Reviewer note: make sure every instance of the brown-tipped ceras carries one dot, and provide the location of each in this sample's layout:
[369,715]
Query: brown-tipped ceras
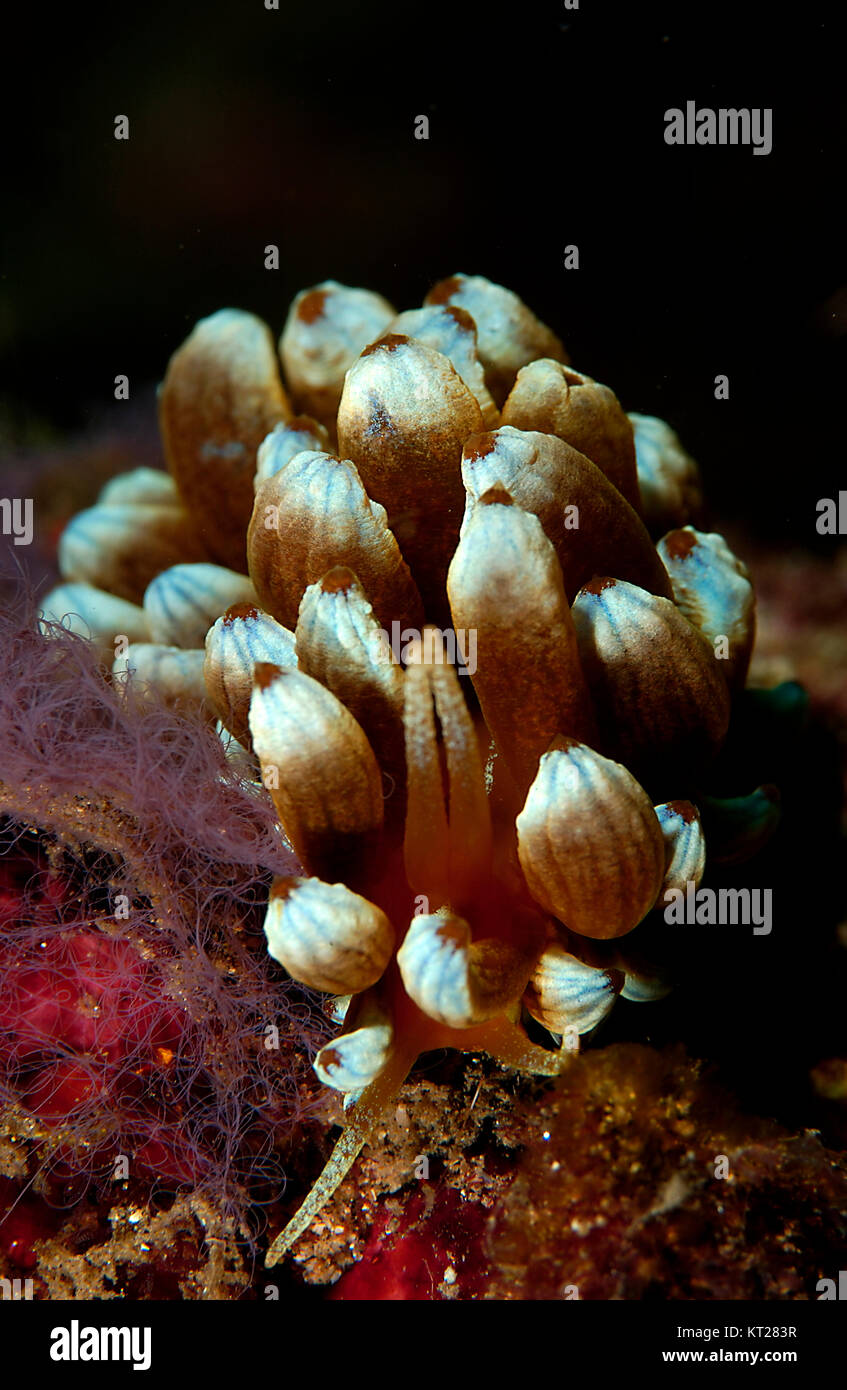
[528,675]
[558,400]
[508,333]
[712,588]
[313,515]
[221,396]
[326,329]
[661,699]
[590,843]
[404,416]
[591,525]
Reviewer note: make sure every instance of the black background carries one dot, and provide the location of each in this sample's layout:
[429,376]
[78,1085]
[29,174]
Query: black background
[295,127]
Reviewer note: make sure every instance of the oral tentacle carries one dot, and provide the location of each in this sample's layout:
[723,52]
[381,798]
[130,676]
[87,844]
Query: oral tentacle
[426,846]
[362,1117]
[469,825]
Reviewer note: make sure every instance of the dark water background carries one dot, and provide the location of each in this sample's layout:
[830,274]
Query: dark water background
[295,127]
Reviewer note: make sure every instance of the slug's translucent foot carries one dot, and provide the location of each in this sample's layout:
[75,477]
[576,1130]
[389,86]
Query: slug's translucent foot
[362,1118]
[506,1042]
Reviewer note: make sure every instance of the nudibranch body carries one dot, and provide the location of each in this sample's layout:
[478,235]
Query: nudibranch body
[477,839]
